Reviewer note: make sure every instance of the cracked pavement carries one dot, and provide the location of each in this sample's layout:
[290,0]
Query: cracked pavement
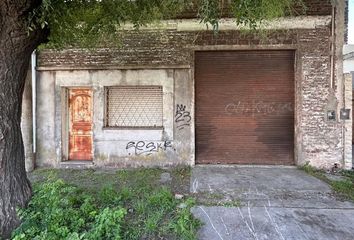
[275,203]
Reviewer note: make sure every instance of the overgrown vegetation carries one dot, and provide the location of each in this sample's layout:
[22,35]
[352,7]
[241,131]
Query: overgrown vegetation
[344,187]
[87,23]
[127,204]
[252,13]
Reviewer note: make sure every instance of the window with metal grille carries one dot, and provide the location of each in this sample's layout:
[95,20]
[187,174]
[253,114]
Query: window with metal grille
[134,106]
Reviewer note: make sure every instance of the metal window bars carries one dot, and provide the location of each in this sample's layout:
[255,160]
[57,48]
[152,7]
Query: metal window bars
[134,106]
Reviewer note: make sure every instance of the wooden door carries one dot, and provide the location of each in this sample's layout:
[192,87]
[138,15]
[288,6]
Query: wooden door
[80,124]
[245,107]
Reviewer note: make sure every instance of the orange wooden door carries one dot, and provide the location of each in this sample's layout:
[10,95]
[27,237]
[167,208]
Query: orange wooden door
[80,124]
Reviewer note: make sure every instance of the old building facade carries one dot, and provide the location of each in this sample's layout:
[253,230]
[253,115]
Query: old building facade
[178,93]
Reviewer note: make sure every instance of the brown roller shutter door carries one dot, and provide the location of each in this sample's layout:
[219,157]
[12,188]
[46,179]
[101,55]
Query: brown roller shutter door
[244,107]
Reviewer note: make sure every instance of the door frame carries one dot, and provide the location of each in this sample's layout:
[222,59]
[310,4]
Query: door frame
[65,122]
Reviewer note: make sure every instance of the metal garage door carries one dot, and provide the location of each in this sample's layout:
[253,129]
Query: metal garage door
[245,107]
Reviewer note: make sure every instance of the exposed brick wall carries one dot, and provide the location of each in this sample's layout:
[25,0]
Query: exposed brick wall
[137,48]
[239,38]
[318,7]
[321,139]
[157,48]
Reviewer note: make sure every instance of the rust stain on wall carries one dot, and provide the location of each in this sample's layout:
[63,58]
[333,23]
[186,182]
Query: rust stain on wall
[80,124]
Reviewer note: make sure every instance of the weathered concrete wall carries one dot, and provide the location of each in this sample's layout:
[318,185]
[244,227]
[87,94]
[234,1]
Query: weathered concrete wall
[46,145]
[349,65]
[26,123]
[115,147]
[348,57]
[166,57]
[348,69]
[348,125]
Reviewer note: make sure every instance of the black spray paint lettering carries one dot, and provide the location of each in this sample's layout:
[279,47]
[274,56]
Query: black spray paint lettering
[182,117]
[148,148]
[256,108]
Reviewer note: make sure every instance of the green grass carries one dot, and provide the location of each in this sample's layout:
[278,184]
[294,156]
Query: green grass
[349,174]
[314,172]
[344,188]
[123,204]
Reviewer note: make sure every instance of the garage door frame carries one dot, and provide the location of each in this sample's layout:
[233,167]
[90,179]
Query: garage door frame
[297,88]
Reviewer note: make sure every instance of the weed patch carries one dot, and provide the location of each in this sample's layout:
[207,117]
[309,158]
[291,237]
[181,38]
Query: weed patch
[345,187]
[124,204]
[60,211]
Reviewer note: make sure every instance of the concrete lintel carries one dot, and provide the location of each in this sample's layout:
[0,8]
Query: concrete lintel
[299,22]
[100,67]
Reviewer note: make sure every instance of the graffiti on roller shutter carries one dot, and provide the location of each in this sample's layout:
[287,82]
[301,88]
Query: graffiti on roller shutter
[258,108]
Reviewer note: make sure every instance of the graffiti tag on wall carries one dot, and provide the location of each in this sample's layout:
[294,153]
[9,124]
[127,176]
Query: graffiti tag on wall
[258,108]
[147,148]
[182,117]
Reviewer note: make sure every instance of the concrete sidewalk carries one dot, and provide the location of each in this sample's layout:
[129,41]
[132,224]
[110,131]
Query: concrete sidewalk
[276,203]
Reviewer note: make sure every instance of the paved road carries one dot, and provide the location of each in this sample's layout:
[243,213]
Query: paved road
[276,203]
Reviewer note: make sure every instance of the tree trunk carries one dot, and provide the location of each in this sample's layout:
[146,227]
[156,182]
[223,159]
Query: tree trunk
[16,46]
